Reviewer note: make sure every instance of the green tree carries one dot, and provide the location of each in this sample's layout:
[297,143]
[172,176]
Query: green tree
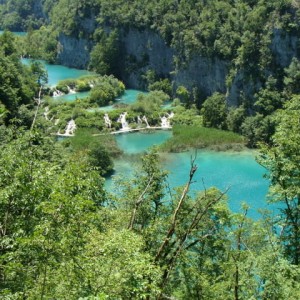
[149,103]
[235,118]
[105,56]
[291,80]
[106,89]
[282,161]
[183,95]
[161,85]
[214,111]
[39,71]
[173,225]
[7,43]
[100,150]
[257,129]
[47,207]
[268,99]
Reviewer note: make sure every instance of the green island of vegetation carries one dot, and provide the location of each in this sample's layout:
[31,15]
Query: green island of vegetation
[63,235]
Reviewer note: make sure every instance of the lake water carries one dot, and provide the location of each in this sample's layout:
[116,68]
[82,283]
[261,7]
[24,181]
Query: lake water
[134,143]
[128,97]
[237,171]
[18,33]
[58,72]
[72,96]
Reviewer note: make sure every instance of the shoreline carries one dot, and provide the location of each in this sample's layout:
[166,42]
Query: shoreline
[134,130]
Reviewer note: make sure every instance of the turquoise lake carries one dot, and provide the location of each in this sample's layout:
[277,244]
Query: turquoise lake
[237,171]
[58,72]
[128,97]
[18,33]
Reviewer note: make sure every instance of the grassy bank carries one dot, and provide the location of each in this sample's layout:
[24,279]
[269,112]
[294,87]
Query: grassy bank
[185,137]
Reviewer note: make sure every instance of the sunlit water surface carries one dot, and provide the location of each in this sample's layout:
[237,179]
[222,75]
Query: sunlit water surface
[236,171]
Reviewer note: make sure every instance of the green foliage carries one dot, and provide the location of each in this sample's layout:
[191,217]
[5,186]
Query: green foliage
[40,44]
[18,84]
[61,237]
[81,110]
[268,99]
[161,85]
[291,80]
[209,28]
[67,15]
[105,55]
[106,90]
[186,137]
[256,129]
[214,111]
[235,118]
[185,116]
[81,84]
[19,15]
[39,72]
[100,149]
[149,103]
[282,161]
[183,94]
[7,43]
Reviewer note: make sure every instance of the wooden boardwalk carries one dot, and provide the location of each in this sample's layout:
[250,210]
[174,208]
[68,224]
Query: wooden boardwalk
[136,130]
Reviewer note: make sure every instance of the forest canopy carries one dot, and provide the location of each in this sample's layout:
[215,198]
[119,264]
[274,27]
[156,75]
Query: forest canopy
[63,235]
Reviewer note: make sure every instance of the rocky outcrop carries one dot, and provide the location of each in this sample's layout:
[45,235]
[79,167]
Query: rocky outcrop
[284,47]
[73,52]
[146,50]
[207,74]
[142,51]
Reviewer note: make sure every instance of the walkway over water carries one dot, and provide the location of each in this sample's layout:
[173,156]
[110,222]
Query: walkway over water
[136,130]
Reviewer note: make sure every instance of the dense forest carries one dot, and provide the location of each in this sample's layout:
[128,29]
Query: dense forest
[62,234]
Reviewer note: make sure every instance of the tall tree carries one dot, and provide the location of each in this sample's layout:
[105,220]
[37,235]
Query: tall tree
[283,161]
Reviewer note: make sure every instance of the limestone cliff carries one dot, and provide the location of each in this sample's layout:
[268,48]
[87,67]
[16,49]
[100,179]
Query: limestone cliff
[73,52]
[284,47]
[144,49]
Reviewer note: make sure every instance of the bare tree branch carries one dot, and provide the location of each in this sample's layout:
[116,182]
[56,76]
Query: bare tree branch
[38,101]
[138,203]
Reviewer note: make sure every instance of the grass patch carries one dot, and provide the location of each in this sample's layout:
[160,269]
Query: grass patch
[186,137]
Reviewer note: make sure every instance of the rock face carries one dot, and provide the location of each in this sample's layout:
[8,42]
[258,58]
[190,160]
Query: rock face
[284,47]
[73,52]
[38,10]
[146,50]
[207,74]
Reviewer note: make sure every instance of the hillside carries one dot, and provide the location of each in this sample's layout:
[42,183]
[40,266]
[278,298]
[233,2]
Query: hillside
[227,67]
[230,47]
